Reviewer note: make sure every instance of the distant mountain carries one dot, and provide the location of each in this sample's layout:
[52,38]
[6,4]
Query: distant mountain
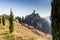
[37,22]
[21,32]
[30,34]
[48,19]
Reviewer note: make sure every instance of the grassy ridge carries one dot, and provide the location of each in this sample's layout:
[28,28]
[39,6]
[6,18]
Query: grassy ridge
[20,32]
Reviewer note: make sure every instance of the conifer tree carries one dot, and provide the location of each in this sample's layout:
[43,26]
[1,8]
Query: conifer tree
[3,20]
[55,19]
[22,19]
[11,18]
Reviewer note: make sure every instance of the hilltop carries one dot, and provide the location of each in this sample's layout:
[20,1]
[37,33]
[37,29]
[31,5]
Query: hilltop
[21,32]
[36,21]
[31,28]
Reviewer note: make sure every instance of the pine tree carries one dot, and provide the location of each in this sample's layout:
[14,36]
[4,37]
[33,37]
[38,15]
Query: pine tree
[11,18]
[55,19]
[3,20]
[22,19]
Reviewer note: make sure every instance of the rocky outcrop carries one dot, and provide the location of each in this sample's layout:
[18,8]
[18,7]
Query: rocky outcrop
[37,22]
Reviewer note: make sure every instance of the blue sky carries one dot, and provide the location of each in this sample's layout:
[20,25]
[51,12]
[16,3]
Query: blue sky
[25,7]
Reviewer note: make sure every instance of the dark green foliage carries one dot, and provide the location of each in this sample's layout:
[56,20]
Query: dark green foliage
[19,19]
[22,19]
[11,25]
[3,20]
[55,19]
[0,20]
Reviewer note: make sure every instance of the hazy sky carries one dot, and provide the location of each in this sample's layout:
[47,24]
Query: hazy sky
[25,7]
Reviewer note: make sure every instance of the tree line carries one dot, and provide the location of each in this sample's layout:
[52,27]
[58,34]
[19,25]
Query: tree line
[10,18]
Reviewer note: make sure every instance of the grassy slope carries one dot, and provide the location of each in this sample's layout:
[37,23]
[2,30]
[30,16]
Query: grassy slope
[20,33]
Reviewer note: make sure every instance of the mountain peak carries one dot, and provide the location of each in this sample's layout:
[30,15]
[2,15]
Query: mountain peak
[37,22]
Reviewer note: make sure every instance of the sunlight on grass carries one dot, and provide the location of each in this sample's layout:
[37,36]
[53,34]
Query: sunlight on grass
[1,26]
